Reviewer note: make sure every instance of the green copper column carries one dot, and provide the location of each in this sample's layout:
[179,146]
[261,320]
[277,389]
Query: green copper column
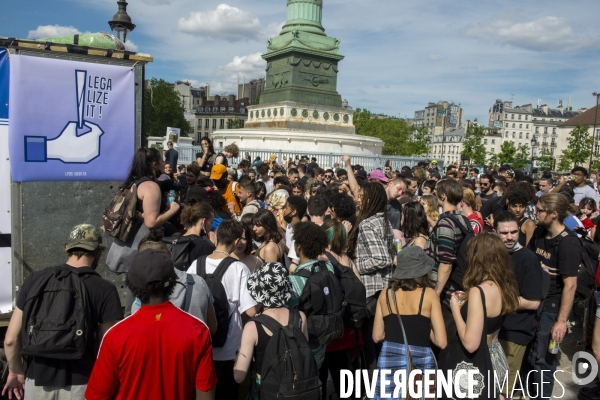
[304,15]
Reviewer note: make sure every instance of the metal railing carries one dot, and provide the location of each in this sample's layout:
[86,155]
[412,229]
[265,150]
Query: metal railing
[327,160]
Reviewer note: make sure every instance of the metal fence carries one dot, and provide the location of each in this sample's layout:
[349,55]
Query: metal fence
[327,160]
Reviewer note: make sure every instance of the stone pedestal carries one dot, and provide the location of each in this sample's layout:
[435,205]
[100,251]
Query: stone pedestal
[299,128]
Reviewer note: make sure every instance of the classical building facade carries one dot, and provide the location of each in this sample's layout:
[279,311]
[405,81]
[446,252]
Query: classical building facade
[215,114]
[439,117]
[537,128]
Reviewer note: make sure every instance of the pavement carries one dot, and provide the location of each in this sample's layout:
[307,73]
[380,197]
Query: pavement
[568,348]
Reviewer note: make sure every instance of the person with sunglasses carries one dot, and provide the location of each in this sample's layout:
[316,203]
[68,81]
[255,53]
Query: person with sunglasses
[328,177]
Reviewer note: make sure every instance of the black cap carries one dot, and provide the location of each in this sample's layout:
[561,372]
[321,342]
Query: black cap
[361,173]
[151,266]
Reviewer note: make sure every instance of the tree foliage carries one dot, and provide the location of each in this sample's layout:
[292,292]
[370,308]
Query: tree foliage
[235,123]
[508,150]
[579,150]
[522,157]
[398,138]
[473,148]
[545,161]
[162,109]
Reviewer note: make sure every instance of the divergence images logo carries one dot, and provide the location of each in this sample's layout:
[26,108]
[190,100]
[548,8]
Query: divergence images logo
[79,141]
[585,368]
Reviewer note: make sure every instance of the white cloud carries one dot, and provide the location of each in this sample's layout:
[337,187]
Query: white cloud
[226,23]
[436,57]
[240,68]
[543,34]
[51,31]
[130,46]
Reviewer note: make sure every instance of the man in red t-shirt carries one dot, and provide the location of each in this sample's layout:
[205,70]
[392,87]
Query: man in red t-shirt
[160,352]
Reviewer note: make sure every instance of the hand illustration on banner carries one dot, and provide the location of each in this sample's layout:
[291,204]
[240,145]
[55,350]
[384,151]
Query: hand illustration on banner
[70,146]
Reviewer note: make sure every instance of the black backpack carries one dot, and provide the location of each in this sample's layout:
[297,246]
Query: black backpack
[586,277]
[221,303]
[355,294]
[181,250]
[322,300]
[289,370]
[458,268]
[56,316]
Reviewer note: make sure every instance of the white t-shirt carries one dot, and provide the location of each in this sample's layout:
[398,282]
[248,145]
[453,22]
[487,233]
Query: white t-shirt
[289,242]
[235,283]
[583,192]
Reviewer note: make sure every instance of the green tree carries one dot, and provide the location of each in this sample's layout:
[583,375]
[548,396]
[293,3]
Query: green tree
[418,141]
[493,160]
[522,157]
[162,109]
[397,136]
[473,148]
[564,163]
[235,123]
[579,150]
[508,150]
[545,161]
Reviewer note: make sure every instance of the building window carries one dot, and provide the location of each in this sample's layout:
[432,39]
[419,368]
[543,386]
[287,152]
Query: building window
[527,135]
[199,123]
[520,126]
[552,150]
[505,116]
[514,135]
[493,141]
[214,123]
[527,118]
[492,150]
[215,109]
[553,130]
[520,135]
[222,124]
[243,111]
[512,116]
[484,141]
[506,124]
[507,134]
[231,109]
[513,125]
[223,109]
[519,116]
[537,129]
[527,126]
[545,129]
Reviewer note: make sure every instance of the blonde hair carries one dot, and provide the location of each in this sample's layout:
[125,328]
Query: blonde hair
[469,197]
[432,211]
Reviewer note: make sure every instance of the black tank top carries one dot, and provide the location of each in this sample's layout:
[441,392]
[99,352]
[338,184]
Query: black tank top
[417,327]
[261,346]
[522,235]
[493,324]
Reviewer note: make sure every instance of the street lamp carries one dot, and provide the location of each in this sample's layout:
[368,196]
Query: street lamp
[596,95]
[121,22]
[533,150]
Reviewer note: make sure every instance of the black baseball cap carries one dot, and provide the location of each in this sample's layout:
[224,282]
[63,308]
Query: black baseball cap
[150,266]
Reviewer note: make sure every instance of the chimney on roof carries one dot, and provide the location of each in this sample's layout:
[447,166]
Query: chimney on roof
[560,107]
[217,100]
[545,108]
[231,99]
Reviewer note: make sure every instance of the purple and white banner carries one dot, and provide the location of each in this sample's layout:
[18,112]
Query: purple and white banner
[6,282]
[70,120]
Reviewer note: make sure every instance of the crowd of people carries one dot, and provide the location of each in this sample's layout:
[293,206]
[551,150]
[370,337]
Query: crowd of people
[340,268]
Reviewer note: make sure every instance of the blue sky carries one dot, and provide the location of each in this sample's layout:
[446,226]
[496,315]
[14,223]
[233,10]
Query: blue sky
[400,55]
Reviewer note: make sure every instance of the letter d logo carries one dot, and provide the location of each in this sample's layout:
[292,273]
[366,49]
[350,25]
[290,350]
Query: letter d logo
[585,368]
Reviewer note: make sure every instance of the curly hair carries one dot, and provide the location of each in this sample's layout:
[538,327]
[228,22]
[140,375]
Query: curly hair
[517,197]
[524,187]
[192,214]
[487,259]
[342,205]
[311,239]
[216,200]
[233,149]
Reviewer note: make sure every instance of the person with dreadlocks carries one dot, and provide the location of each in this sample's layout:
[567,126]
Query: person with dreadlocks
[369,244]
